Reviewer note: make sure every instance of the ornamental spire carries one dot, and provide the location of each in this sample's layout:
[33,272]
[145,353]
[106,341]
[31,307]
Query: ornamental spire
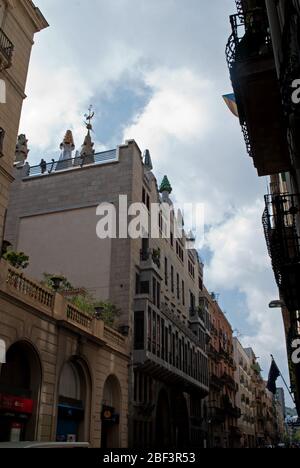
[67,147]
[166,186]
[148,161]
[87,149]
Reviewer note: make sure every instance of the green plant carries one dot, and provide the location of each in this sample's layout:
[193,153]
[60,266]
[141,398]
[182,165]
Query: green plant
[156,255]
[17,259]
[85,302]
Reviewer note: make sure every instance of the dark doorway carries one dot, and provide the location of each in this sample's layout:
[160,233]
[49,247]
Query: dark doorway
[163,422]
[20,384]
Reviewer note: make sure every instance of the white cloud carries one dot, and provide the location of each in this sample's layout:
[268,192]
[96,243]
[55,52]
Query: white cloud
[240,261]
[176,114]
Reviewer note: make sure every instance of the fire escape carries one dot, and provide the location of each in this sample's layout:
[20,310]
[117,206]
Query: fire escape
[254,79]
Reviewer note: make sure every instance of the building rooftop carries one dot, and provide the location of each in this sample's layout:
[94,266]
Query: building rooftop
[62,165]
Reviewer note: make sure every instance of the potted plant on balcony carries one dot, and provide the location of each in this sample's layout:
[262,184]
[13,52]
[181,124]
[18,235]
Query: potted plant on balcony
[18,260]
[156,255]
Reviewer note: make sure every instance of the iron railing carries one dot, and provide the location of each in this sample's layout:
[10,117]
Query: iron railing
[78,162]
[281,222]
[6,46]
[250,37]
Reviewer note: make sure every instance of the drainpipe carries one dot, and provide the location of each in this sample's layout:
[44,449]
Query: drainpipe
[276,33]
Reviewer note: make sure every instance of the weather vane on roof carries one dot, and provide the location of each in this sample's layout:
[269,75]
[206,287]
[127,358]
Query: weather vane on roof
[88,118]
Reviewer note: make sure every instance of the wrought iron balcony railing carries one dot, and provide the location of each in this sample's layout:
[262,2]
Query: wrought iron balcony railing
[6,49]
[281,221]
[250,37]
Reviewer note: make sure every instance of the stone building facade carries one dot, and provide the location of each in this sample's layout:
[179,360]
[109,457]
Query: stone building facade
[156,282]
[224,413]
[245,397]
[66,374]
[19,21]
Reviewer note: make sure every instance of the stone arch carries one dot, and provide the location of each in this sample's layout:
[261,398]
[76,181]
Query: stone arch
[21,381]
[181,417]
[111,413]
[74,401]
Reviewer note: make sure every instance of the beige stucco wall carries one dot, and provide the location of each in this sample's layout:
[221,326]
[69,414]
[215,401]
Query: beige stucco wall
[66,243]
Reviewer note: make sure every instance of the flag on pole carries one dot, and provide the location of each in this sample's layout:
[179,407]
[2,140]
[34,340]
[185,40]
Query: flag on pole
[231,103]
[273,376]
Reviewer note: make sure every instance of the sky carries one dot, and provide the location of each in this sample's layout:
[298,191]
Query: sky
[155,71]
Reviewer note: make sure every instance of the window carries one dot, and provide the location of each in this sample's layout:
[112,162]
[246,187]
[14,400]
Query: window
[166,271]
[154,333]
[172,239]
[137,284]
[183,293]
[139,334]
[178,287]
[191,269]
[192,303]
[179,251]
[2,11]
[149,329]
[154,296]
[158,336]
[144,287]
[172,279]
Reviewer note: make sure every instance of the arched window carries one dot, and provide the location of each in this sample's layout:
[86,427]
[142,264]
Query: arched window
[69,384]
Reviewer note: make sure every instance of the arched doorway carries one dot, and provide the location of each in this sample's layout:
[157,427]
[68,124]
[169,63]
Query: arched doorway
[163,422]
[20,385]
[74,398]
[111,409]
[181,421]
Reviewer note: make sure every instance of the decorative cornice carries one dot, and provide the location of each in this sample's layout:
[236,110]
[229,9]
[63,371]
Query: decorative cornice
[35,14]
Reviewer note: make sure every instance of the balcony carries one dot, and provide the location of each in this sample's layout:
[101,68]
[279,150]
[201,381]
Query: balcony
[150,260]
[229,382]
[281,221]
[229,409]
[254,78]
[166,349]
[216,382]
[37,299]
[6,51]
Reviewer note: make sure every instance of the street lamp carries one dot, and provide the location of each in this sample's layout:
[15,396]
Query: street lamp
[277,304]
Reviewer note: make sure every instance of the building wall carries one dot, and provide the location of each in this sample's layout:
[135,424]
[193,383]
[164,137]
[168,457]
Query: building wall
[245,397]
[56,340]
[44,209]
[21,20]
[223,432]
[58,242]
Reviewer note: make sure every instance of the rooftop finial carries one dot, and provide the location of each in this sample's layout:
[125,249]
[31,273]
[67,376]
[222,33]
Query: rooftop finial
[148,161]
[88,118]
[165,186]
[67,147]
[87,150]
[21,149]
